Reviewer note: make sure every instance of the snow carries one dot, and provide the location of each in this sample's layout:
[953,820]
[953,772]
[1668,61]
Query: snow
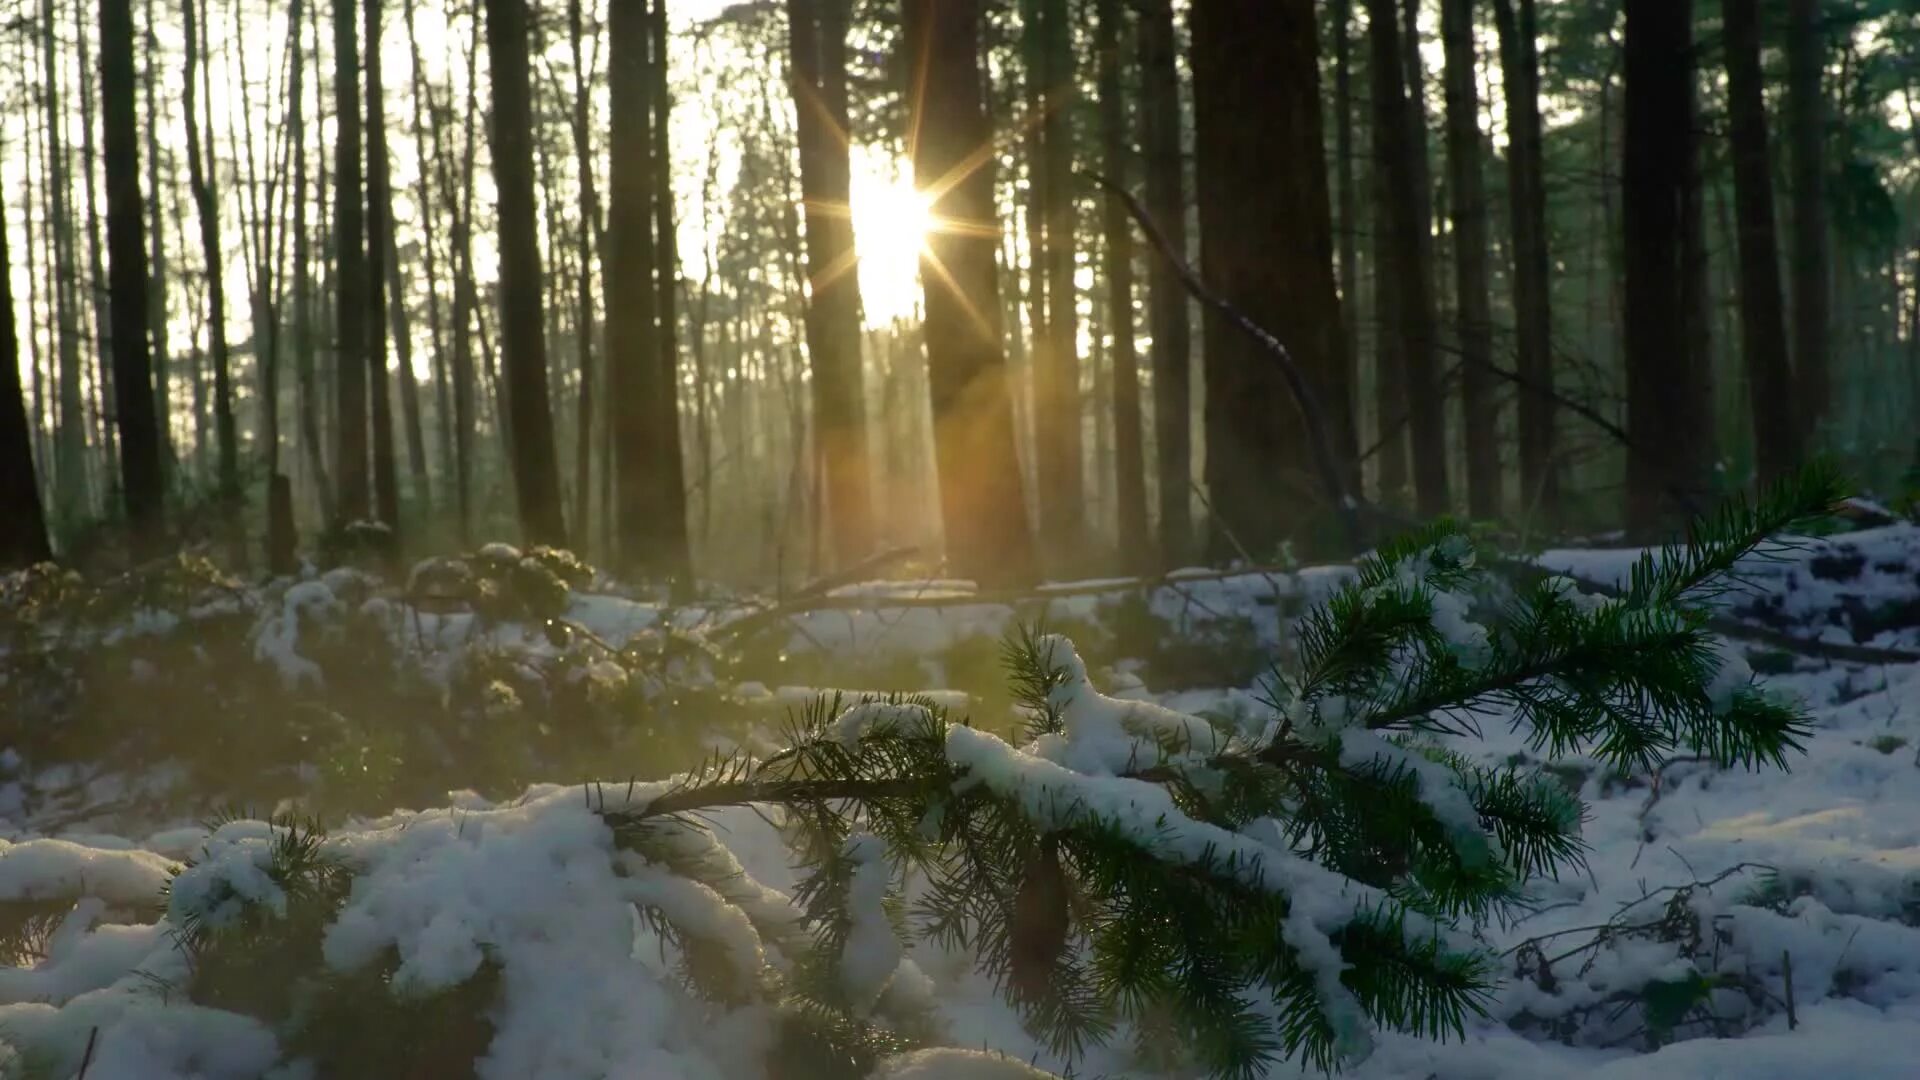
[537,888]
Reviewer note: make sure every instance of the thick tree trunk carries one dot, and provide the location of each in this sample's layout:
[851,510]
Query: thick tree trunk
[1266,244]
[140,468]
[1167,311]
[1763,327]
[1408,254]
[1130,470]
[380,248]
[1532,271]
[1806,136]
[628,260]
[1465,147]
[1657,176]
[350,282]
[817,32]
[523,349]
[670,524]
[23,528]
[311,443]
[206,205]
[1346,190]
[981,501]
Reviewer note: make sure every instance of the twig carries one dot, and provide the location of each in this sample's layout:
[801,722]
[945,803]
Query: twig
[86,1059]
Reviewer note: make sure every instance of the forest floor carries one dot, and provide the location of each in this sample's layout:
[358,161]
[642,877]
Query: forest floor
[1727,923]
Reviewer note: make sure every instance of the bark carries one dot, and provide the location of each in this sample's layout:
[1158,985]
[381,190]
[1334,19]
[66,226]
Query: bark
[1763,329]
[981,497]
[1407,251]
[350,280]
[206,203]
[523,348]
[1806,135]
[1532,271]
[1130,470]
[379,224]
[467,321]
[1167,312]
[1465,147]
[1266,244]
[96,275]
[817,31]
[401,321]
[1656,177]
[1346,191]
[1057,412]
[23,528]
[140,467]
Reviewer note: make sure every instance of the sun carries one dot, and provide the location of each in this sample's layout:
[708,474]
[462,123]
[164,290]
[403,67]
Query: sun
[890,224]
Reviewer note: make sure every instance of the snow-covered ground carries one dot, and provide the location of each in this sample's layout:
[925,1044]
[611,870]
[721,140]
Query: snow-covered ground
[1765,888]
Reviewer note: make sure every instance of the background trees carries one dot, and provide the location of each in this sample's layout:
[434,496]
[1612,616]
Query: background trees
[736,356]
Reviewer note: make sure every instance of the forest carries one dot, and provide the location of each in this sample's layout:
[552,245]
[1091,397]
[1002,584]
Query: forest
[959,539]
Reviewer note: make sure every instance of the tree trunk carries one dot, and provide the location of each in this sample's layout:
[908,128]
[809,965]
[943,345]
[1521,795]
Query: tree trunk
[1532,271]
[1167,312]
[96,274]
[157,279]
[523,349]
[466,302]
[627,261]
[1408,252]
[379,225]
[1465,147]
[313,446]
[1763,328]
[817,32]
[1130,487]
[70,487]
[584,315]
[1806,135]
[670,524]
[1266,245]
[206,205]
[1346,191]
[1657,174]
[350,282]
[1057,412]
[23,528]
[981,497]
[140,470]
[402,325]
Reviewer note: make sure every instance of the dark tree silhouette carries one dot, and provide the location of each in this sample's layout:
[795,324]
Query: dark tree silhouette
[1480,413]
[23,528]
[349,276]
[981,501]
[1532,271]
[1167,304]
[523,348]
[1136,546]
[1812,275]
[1266,246]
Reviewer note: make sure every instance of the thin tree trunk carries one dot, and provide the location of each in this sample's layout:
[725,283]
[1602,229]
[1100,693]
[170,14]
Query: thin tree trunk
[313,446]
[350,274]
[1058,413]
[96,274]
[536,470]
[1465,147]
[1346,192]
[206,203]
[140,471]
[981,500]
[670,523]
[1130,470]
[157,320]
[402,325]
[817,32]
[584,313]
[1527,203]
[379,225]
[1812,270]
[23,528]
[466,305]
[70,487]
[1167,312]
[1408,250]
[1763,327]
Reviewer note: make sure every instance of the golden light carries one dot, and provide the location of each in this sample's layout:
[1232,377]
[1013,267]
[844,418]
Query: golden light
[890,225]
